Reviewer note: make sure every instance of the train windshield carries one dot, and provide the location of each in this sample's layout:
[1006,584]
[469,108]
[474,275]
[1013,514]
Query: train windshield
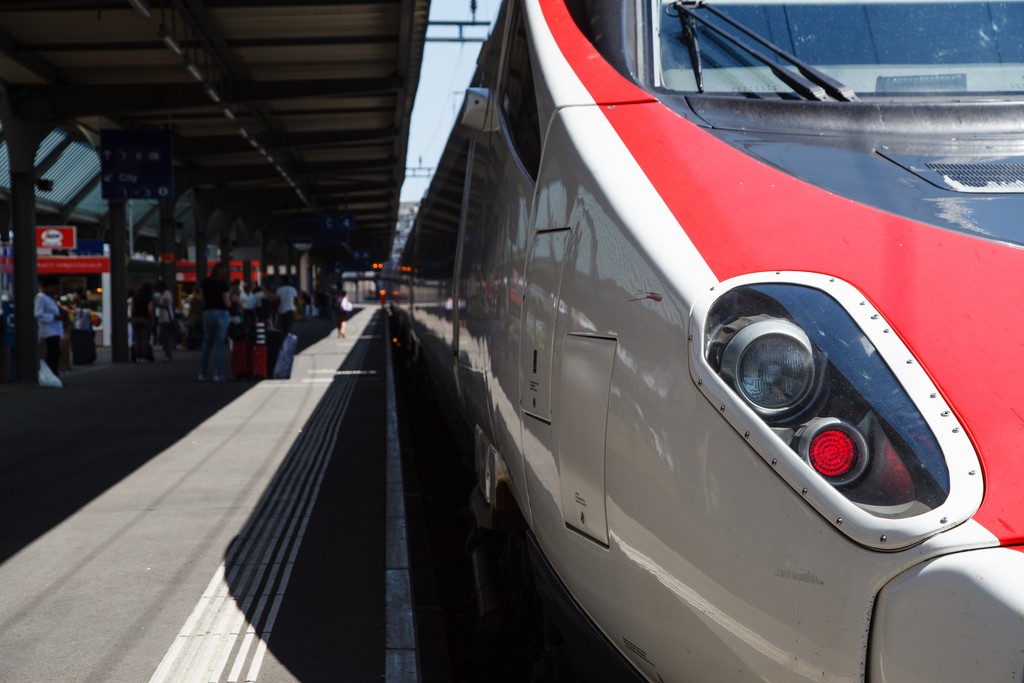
[837,50]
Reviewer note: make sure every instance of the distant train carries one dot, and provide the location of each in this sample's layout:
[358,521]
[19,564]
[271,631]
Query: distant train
[730,298]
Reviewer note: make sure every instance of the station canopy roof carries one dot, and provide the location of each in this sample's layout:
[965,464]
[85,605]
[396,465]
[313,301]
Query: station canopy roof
[277,108]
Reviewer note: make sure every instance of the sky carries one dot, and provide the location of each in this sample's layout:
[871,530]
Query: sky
[445,73]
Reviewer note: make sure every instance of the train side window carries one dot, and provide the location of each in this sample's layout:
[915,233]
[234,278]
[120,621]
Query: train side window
[519,100]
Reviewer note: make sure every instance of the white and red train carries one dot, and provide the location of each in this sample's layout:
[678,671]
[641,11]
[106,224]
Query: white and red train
[729,296]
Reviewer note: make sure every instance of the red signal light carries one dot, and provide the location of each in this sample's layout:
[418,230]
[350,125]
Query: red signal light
[834,449]
[832,453]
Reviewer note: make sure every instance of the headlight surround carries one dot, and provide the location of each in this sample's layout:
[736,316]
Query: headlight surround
[812,375]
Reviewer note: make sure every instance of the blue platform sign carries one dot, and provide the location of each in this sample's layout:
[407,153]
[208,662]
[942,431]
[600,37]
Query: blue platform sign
[341,222]
[321,229]
[136,164]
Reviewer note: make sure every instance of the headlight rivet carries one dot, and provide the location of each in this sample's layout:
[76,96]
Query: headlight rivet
[882,539]
[804,491]
[721,408]
[945,413]
[700,383]
[956,430]
[973,472]
[690,338]
[933,395]
[839,521]
[886,331]
[875,316]
[746,435]
[775,461]
[944,520]
[910,361]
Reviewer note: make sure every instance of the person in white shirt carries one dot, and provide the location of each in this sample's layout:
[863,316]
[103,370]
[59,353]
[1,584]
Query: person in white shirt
[344,311]
[247,300]
[48,315]
[286,296]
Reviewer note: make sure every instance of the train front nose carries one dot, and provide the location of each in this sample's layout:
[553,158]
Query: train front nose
[953,619]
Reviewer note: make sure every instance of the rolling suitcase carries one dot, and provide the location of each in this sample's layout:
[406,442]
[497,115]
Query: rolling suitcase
[259,361]
[240,364]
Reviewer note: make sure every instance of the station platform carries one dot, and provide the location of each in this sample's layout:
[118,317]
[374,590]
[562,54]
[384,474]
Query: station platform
[155,528]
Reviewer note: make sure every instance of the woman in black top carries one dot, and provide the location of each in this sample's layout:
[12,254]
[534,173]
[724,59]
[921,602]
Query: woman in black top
[215,297]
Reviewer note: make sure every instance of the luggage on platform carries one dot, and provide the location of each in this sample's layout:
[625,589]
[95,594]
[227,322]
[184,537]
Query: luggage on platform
[241,365]
[83,347]
[283,366]
[259,361]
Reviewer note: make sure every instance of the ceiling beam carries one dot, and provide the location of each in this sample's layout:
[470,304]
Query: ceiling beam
[72,101]
[216,145]
[204,175]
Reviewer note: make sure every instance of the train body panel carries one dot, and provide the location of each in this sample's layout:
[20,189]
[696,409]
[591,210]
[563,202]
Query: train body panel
[490,285]
[591,255]
[666,493]
[912,629]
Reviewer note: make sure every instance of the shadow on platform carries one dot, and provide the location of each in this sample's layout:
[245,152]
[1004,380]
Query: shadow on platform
[61,448]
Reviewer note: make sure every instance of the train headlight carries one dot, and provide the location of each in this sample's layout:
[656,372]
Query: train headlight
[771,364]
[817,382]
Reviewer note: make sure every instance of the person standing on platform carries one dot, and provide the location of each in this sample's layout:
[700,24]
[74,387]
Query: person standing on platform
[166,323]
[65,303]
[216,299]
[286,296]
[83,336]
[344,311]
[142,323]
[247,298]
[48,315]
[265,310]
[264,305]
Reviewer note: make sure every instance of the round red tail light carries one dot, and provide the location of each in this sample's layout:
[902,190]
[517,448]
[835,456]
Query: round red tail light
[834,449]
[832,453]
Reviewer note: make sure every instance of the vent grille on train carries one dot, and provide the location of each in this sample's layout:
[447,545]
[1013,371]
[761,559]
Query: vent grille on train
[970,174]
[981,177]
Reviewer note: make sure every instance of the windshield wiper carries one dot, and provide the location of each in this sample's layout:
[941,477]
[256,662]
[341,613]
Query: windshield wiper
[812,84]
[690,34]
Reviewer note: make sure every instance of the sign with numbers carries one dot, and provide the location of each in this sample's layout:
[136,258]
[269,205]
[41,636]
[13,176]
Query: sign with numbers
[136,164]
